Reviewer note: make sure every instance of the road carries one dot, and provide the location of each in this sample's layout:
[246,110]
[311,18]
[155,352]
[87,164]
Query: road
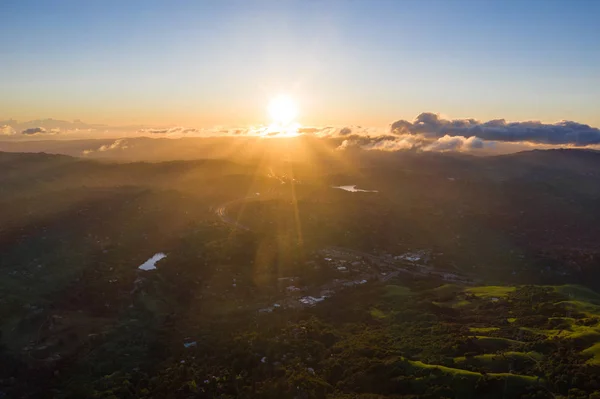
[221,212]
[410,268]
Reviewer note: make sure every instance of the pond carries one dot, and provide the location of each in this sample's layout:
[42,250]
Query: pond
[150,264]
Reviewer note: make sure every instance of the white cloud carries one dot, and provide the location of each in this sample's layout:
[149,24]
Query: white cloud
[119,144]
[458,143]
[7,130]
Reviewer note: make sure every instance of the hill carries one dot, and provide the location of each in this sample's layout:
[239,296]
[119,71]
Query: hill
[446,275]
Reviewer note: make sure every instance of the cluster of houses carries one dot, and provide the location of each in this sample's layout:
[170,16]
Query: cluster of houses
[356,268]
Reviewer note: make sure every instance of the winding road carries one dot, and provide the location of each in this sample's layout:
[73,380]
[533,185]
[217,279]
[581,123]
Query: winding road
[221,212]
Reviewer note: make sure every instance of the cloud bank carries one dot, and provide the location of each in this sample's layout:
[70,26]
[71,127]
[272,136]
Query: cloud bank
[172,130]
[564,132]
[430,132]
[427,132]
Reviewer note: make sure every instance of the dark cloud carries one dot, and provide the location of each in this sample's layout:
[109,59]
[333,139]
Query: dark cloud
[345,131]
[565,132]
[34,130]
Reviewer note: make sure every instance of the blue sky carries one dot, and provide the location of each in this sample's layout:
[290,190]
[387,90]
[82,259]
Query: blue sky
[372,62]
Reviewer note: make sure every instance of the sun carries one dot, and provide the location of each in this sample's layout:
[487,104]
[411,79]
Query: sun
[282,110]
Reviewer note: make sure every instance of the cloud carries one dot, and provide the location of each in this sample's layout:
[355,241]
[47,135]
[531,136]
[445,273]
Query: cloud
[331,131]
[179,131]
[265,131]
[418,142]
[561,133]
[51,126]
[427,132]
[383,143]
[40,130]
[458,143]
[34,130]
[172,130]
[7,130]
[120,144]
[308,130]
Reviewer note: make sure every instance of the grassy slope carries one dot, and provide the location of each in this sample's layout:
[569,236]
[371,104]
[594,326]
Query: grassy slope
[491,291]
[463,381]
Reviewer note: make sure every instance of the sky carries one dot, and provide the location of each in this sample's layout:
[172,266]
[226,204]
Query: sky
[345,62]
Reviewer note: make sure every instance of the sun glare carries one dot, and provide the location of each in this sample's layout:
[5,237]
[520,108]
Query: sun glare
[283,111]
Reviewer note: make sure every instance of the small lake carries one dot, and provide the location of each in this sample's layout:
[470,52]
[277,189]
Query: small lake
[150,264]
[353,189]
